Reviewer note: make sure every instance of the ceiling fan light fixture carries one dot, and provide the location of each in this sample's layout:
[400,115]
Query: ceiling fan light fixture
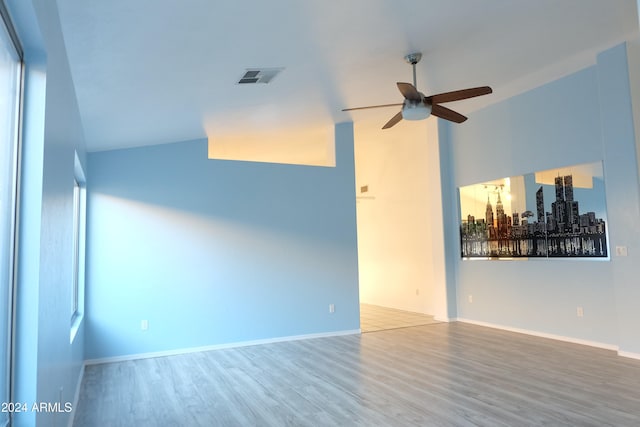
[416,112]
[416,106]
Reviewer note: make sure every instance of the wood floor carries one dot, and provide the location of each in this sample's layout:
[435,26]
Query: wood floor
[435,375]
[375,318]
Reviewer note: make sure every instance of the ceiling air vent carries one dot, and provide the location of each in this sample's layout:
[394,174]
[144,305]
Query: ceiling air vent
[259,75]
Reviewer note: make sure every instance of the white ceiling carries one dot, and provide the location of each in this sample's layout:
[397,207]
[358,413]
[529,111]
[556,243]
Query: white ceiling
[156,71]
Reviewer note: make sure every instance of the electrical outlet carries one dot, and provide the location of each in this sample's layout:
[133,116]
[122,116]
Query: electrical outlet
[144,325]
[332,308]
[417,291]
[621,251]
[470,298]
[579,312]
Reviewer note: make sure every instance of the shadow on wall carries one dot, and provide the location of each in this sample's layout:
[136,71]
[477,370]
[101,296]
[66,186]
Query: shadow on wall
[211,252]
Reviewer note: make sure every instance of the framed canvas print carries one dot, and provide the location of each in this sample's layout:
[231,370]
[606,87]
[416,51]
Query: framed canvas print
[557,213]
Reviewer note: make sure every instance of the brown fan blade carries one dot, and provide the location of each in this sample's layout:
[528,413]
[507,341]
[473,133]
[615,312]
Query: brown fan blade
[372,106]
[409,91]
[394,120]
[457,95]
[447,114]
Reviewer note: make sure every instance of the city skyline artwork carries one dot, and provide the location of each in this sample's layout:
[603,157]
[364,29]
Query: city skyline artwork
[557,213]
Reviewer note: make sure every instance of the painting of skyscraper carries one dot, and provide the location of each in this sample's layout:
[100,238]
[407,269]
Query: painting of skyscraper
[498,219]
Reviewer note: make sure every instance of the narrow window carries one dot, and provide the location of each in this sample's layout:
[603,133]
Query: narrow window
[10,90]
[76,247]
[77,282]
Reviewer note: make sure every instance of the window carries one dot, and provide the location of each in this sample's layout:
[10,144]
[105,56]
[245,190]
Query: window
[76,247]
[10,90]
[77,283]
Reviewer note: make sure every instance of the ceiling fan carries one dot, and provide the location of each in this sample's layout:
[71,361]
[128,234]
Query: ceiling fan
[416,106]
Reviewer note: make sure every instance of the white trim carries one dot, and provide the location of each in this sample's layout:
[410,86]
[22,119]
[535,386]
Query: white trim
[629,354]
[76,396]
[76,321]
[219,347]
[542,334]
[444,319]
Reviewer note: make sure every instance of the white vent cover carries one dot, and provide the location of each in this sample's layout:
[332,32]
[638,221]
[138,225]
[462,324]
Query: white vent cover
[259,75]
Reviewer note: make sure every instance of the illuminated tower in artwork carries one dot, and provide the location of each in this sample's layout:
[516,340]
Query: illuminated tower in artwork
[568,188]
[501,218]
[489,213]
[559,207]
[572,208]
[559,189]
[540,205]
[499,208]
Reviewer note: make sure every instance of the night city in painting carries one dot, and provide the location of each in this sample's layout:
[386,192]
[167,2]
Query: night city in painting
[558,213]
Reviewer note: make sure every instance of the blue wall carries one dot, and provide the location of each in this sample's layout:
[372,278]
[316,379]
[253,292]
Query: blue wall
[213,252]
[47,364]
[621,180]
[577,119]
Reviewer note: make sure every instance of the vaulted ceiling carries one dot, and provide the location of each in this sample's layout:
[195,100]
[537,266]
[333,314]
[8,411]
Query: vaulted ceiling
[157,71]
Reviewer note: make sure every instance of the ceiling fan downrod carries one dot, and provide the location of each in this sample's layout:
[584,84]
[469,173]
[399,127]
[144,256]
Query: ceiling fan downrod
[413,59]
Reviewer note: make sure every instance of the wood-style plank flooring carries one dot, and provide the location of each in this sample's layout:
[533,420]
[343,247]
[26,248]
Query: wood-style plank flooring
[435,375]
[375,318]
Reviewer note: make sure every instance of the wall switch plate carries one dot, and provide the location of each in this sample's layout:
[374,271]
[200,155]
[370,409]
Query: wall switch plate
[579,312]
[621,251]
[470,298]
[332,308]
[144,325]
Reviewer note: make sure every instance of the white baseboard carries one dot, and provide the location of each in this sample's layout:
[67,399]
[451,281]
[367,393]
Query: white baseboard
[444,319]
[218,347]
[543,335]
[629,354]
[76,396]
